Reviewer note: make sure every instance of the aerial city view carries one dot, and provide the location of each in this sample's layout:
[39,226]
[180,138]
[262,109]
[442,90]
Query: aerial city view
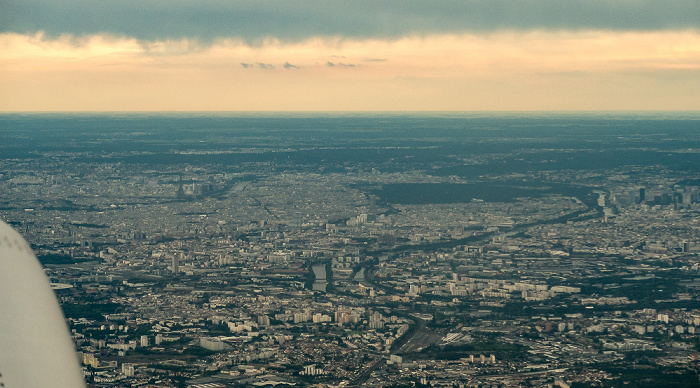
[366,249]
[445,193]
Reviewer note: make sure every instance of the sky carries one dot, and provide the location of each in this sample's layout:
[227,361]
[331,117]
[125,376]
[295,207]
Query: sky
[352,55]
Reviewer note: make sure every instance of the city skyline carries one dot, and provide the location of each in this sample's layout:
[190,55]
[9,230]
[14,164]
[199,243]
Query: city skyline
[383,250]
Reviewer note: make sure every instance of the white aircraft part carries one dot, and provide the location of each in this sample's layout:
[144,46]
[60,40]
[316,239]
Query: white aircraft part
[36,350]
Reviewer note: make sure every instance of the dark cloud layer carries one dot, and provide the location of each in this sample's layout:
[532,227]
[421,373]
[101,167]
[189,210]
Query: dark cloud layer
[294,20]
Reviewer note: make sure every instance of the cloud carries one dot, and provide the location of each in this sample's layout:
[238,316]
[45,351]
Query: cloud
[255,21]
[502,70]
[437,55]
[341,64]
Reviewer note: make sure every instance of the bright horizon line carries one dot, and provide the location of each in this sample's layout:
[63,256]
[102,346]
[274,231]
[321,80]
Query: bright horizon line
[366,111]
[427,111]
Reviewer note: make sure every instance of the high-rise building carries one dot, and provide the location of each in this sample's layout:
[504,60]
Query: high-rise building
[263,320]
[176,265]
[310,370]
[686,198]
[128,370]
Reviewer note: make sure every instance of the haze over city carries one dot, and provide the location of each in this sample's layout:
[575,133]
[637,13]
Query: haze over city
[200,250]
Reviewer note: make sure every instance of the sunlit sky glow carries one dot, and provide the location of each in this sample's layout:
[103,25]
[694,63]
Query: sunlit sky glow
[469,55]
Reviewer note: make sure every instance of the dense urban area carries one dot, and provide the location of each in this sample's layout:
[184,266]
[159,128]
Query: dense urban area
[390,251]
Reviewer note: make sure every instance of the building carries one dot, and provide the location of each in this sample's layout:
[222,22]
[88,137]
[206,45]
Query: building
[128,370]
[310,370]
[213,344]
